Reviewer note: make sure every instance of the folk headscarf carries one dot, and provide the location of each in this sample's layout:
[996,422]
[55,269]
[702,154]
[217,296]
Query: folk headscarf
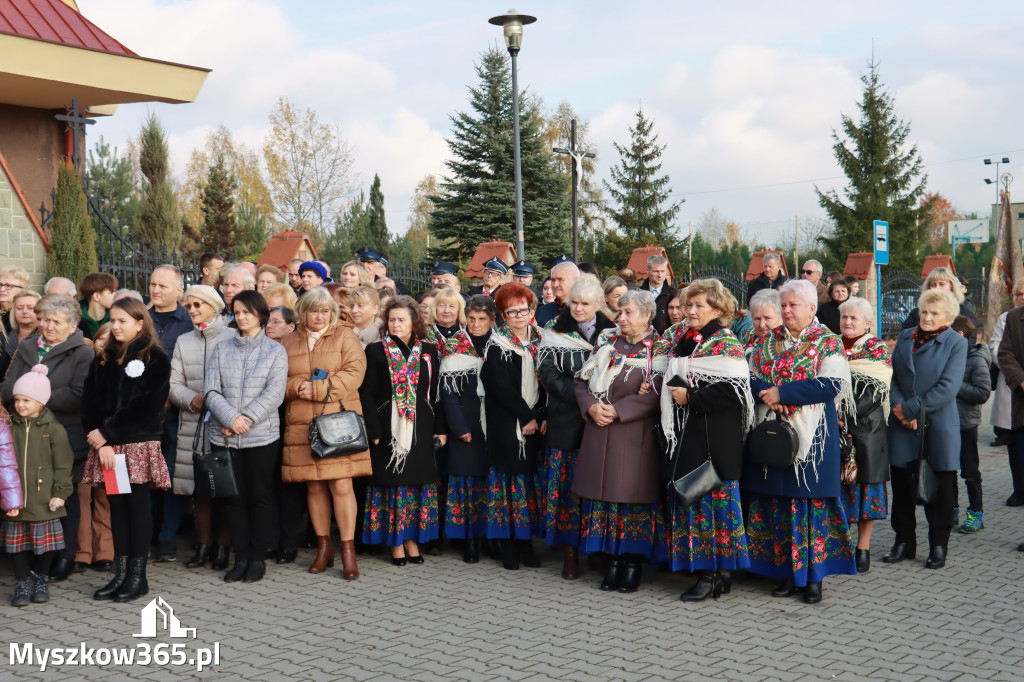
[405,377]
[508,344]
[870,369]
[650,356]
[459,361]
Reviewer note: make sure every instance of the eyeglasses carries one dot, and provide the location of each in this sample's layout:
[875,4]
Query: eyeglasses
[520,312]
[809,272]
[1019,294]
[195,304]
[5,285]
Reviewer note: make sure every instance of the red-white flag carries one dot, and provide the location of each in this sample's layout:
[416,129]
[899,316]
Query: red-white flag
[116,480]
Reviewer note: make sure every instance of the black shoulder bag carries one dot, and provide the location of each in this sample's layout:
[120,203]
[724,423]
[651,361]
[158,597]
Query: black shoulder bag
[213,471]
[692,487]
[923,482]
[773,443]
[338,434]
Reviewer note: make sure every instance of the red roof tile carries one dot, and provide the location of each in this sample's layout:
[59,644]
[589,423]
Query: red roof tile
[756,266]
[859,264]
[55,22]
[939,260]
[638,260]
[285,247]
[488,250]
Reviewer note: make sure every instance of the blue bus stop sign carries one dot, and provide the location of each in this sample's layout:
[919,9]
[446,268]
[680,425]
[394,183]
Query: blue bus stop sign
[881,242]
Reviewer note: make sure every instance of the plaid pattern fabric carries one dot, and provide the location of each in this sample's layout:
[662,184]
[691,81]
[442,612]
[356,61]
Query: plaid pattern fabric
[38,537]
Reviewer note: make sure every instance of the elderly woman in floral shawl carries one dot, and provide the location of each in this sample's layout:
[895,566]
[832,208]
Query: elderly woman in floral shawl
[864,493]
[706,411]
[796,526]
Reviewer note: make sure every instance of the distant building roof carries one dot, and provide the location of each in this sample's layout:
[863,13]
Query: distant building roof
[285,247]
[939,260]
[756,266]
[488,250]
[56,22]
[638,261]
[859,264]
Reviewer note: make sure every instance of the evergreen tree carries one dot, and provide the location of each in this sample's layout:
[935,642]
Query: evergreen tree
[477,199]
[351,232]
[112,183]
[72,239]
[378,225]
[159,223]
[885,181]
[642,210]
[220,228]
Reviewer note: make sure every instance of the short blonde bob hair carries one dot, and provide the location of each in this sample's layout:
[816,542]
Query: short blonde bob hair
[287,294]
[717,296]
[364,274]
[945,300]
[448,295]
[315,299]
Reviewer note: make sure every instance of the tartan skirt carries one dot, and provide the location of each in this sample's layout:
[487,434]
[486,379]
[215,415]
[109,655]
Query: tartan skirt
[37,537]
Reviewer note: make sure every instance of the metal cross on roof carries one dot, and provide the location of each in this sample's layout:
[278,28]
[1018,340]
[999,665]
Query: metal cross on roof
[76,121]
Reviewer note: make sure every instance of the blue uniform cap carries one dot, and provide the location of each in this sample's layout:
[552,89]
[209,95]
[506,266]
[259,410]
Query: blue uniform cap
[497,265]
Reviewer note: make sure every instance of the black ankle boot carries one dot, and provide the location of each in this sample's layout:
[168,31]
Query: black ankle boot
[525,549]
[812,593]
[900,550]
[631,577]
[708,584]
[509,555]
[237,571]
[255,571]
[726,576]
[936,557]
[613,577]
[120,572]
[200,558]
[220,557]
[471,552]
[787,588]
[863,560]
[135,584]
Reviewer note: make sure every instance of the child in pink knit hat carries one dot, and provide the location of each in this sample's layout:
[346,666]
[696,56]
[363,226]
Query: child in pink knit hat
[33,532]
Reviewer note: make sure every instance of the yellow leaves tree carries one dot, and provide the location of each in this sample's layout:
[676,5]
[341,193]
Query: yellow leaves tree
[418,235]
[309,168]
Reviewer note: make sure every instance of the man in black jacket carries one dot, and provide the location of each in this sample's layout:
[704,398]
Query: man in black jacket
[657,283]
[771,276]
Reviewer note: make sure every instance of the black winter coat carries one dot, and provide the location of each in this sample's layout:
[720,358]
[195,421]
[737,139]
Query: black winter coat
[127,409]
[828,315]
[505,408]
[715,422]
[565,423]
[375,395]
[660,321]
[462,412]
[868,434]
[762,282]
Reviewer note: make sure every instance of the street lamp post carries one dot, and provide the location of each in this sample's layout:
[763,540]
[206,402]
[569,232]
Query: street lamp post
[995,180]
[513,23]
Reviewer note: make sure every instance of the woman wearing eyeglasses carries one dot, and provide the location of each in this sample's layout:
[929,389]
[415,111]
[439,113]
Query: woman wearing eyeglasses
[13,279]
[514,406]
[188,372]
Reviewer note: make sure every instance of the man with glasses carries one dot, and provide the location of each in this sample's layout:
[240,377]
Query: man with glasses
[493,276]
[812,273]
[771,276]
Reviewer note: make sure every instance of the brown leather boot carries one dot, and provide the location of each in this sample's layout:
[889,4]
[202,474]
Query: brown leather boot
[571,563]
[349,570]
[324,554]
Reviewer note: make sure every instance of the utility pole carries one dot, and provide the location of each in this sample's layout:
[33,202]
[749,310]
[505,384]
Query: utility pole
[689,252]
[577,175]
[796,248]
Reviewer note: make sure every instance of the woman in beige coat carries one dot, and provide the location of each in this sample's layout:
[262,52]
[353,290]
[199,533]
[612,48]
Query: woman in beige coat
[321,343]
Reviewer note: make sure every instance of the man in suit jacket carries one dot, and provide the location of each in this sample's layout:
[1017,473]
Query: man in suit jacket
[771,276]
[564,274]
[657,283]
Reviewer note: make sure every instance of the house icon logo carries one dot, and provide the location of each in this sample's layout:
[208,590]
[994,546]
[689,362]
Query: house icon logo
[158,615]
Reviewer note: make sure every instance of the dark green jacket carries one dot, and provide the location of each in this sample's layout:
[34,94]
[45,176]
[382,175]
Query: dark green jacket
[44,464]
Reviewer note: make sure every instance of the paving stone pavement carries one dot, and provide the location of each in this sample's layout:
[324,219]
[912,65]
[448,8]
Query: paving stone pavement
[450,620]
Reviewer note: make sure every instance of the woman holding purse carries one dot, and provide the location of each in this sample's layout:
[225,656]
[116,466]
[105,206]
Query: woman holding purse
[245,384]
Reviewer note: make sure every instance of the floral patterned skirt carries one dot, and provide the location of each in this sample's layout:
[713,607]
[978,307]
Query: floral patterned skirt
[801,538]
[562,516]
[37,537]
[865,501]
[515,506]
[145,465]
[709,535]
[394,514]
[466,512]
[621,528]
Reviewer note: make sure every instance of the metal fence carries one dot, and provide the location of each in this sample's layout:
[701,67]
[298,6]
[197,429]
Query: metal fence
[735,282]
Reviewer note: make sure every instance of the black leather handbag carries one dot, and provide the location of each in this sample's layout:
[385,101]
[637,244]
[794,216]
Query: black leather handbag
[924,484]
[338,434]
[691,487]
[773,443]
[213,472]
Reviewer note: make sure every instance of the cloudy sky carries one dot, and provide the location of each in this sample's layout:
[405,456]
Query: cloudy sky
[744,94]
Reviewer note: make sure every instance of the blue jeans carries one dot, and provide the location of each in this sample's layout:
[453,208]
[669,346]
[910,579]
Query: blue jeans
[167,537]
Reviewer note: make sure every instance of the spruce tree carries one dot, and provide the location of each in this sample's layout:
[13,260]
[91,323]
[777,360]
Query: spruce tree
[159,223]
[378,225]
[72,239]
[642,208]
[477,198]
[885,181]
[112,184]
[220,227]
[351,232]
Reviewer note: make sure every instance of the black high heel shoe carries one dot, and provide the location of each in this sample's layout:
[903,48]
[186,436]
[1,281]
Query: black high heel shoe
[220,557]
[812,593]
[863,557]
[631,577]
[709,584]
[399,561]
[936,557]
[471,552]
[726,576]
[787,588]
[200,558]
[613,577]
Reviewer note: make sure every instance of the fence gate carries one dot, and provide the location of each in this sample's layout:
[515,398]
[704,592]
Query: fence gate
[735,282]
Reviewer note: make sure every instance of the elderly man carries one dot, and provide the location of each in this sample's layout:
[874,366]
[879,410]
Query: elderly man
[563,276]
[522,273]
[376,263]
[234,281]
[294,278]
[209,263]
[657,283]
[812,273]
[60,286]
[771,276]
[170,320]
[628,276]
[495,271]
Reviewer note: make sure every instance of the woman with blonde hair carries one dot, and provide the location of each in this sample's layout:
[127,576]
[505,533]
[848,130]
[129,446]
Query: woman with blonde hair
[446,316]
[325,369]
[280,295]
[13,279]
[353,274]
[365,311]
[267,276]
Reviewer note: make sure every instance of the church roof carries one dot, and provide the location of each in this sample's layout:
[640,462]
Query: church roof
[56,22]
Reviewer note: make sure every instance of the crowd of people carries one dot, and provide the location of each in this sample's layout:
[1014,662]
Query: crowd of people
[584,414]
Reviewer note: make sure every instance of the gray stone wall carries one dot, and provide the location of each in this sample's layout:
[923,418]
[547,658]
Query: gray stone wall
[19,242]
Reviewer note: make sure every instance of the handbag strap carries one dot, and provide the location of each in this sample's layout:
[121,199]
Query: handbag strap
[922,424]
[326,397]
[675,464]
[199,437]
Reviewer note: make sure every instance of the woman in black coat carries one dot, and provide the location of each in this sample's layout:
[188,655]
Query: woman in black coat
[514,405]
[123,416]
[403,417]
[828,312]
[462,357]
[707,410]
[567,343]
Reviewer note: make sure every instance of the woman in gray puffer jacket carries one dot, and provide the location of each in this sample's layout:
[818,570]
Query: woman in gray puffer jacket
[245,383]
[188,373]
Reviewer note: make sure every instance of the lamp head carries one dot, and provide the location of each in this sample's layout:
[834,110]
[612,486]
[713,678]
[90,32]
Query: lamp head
[513,23]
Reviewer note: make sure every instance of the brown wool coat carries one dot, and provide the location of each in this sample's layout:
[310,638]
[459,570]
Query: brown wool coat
[340,354]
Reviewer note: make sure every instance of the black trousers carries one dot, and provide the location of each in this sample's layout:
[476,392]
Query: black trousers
[1016,452]
[252,513]
[131,522]
[969,470]
[939,513]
